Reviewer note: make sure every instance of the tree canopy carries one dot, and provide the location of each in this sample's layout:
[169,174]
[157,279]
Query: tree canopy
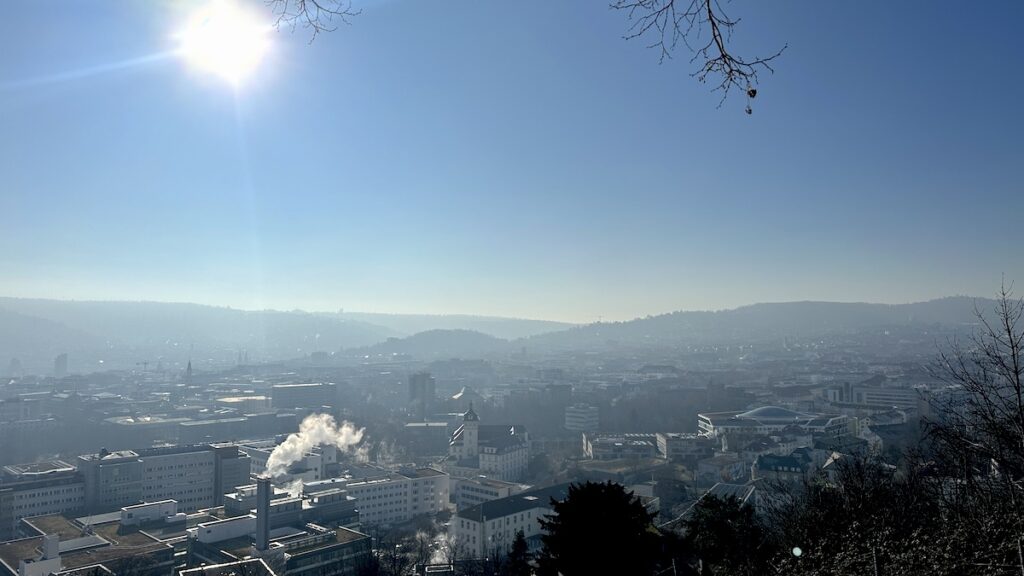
[600,528]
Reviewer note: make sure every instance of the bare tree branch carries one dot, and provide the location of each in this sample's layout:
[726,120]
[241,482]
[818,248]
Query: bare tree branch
[704,28]
[980,426]
[316,15]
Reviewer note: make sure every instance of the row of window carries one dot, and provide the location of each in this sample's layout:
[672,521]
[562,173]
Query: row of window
[40,494]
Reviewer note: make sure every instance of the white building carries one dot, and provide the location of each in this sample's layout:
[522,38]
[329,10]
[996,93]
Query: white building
[472,491]
[496,450]
[392,497]
[185,476]
[59,492]
[683,446]
[582,418]
[869,395]
[492,526]
[195,476]
[607,446]
[769,419]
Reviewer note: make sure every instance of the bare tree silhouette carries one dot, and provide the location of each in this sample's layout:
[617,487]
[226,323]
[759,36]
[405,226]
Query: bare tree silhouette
[700,25]
[705,29]
[315,15]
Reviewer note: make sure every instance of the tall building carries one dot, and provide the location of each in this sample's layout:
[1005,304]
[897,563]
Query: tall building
[14,369]
[190,474]
[581,418]
[422,393]
[310,396]
[196,477]
[112,479]
[60,365]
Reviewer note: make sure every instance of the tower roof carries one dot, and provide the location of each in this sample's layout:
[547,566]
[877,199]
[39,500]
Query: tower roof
[470,415]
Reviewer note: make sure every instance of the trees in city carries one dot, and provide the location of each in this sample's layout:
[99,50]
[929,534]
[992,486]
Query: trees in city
[600,528]
[517,562]
[723,536]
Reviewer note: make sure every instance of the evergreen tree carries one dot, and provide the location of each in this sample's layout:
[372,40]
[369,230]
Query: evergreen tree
[599,528]
[517,563]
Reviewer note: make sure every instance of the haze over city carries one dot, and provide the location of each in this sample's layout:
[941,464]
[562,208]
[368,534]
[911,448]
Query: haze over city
[462,288]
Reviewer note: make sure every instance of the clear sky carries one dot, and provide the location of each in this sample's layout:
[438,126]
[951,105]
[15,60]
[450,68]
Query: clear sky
[516,159]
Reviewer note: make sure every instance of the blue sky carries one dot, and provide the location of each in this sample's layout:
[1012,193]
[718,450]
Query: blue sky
[516,159]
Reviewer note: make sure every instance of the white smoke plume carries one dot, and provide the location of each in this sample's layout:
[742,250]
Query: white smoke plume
[315,430]
[294,488]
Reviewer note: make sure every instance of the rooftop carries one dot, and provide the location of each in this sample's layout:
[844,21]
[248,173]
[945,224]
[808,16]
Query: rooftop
[104,455]
[251,567]
[539,498]
[143,421]
[39,468]
[773,414]
[78,546]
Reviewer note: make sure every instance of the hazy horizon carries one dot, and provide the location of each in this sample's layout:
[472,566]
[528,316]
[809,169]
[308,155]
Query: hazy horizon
[521,163]
[344,310]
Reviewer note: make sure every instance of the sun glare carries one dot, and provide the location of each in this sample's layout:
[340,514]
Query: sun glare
[225,39]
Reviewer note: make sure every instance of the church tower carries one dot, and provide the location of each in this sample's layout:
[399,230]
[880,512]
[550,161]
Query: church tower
[470,433]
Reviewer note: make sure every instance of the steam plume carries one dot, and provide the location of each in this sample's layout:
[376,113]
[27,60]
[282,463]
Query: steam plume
[315,430]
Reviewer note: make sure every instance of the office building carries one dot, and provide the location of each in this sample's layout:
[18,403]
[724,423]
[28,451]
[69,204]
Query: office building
[422,394]
[391,497]
[470,492]
[195,476]
[581,418]
[304,396]
[491,526]
[40,489]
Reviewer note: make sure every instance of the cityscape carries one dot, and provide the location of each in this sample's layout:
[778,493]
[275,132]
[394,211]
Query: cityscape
[397,288]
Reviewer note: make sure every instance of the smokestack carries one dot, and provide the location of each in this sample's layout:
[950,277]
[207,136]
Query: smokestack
[263,491]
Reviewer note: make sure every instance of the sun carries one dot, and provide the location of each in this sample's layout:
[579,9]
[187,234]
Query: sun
[225,39]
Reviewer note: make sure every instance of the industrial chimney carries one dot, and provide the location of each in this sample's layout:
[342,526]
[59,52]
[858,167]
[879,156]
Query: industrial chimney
[263,492]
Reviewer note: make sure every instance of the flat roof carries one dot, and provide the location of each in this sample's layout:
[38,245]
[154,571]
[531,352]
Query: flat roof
[144,420]
[250,567]
[45,467]
[102,545]
[428,472]
[341,536]
[539,498]
[116,455]
[493,482]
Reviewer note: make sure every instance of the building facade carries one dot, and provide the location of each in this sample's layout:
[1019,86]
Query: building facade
[495,450]
[492,526]
[470,492]
[392,497]
[196,477]
[582,418]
